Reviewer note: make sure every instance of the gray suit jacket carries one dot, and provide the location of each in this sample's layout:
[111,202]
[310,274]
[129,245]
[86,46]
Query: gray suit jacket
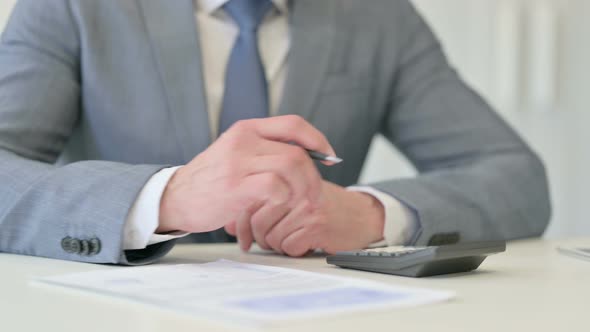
[97,96]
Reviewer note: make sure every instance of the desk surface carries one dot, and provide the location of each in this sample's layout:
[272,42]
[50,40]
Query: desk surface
[529,288]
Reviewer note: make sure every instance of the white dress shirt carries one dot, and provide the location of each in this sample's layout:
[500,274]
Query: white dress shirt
[218,33]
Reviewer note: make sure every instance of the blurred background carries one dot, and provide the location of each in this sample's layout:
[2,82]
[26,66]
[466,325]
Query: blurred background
[530,60]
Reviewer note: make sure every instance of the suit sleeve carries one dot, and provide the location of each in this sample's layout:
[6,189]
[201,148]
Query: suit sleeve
[478,180]
[73,212]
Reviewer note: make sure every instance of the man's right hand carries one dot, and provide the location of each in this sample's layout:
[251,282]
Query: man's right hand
[250,169]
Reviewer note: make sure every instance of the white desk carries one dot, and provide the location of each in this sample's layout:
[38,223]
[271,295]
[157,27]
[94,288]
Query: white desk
[529,288]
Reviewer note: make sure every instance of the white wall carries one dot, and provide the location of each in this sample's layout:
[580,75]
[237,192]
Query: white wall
[529,58]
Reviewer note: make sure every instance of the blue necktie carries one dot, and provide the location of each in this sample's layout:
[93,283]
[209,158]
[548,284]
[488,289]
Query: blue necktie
[246,91]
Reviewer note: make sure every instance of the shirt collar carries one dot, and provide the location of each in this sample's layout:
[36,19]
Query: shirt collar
[211,6]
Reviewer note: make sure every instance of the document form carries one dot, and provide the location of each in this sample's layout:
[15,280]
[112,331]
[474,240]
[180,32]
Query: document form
[245,293]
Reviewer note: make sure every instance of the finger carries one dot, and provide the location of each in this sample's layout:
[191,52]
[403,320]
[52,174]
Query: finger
[243,229]
[267,147]
[296,168]
[231,228]
[289,224]
[243,140]
[291,128]
[258,190]
[264,220]
[297,244]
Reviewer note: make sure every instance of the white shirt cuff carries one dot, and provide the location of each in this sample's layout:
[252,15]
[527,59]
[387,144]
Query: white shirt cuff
[400,222]
[143,218]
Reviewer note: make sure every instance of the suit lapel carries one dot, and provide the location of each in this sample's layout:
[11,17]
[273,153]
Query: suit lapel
[312,36]
[172,29]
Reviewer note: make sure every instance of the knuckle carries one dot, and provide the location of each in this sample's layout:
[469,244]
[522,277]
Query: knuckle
[280,195]
[270,183]
[318,227]
[233,141]
[295,122]
[259,237]
[240,126]
[257,224]
[293,250]
[288,250]
[307,208]
[272,241]
[297,119]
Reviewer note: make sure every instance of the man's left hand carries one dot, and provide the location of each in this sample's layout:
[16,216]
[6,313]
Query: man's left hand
[342,220]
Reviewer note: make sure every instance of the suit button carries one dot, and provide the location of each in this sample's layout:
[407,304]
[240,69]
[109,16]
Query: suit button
[75,246]
[94,247]
[84,247]
[71,245]
[66,244]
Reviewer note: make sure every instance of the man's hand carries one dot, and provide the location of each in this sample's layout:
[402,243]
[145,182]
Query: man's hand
[343,220]
[249,168]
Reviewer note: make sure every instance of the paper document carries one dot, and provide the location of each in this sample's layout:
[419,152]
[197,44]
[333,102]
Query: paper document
[246,293]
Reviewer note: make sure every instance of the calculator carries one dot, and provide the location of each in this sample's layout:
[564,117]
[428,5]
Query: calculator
[419,261]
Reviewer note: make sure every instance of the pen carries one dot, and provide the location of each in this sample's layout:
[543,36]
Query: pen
[320,156]
[323,157]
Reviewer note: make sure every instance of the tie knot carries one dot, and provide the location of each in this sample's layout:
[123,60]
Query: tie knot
[248,14]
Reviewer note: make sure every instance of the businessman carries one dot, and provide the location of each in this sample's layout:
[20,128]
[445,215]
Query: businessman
[126,125]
